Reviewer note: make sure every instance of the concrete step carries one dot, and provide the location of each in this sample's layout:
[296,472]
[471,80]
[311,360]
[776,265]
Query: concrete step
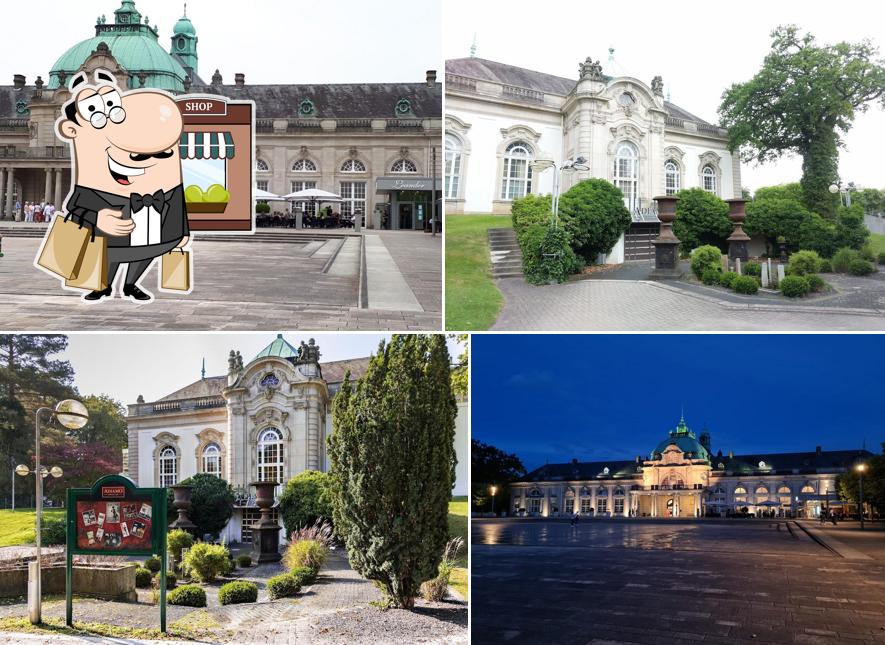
[504,252]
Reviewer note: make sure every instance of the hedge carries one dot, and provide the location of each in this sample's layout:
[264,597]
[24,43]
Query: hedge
[237,592]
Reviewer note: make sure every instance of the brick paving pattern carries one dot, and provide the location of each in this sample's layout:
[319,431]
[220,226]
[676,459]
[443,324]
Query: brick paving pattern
[668,583]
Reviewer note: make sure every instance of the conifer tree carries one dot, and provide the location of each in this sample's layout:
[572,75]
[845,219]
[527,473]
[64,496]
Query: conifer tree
[393,462]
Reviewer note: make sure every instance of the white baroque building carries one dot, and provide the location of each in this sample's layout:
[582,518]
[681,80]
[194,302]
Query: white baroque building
[499,118]
[681,477]
[269,418]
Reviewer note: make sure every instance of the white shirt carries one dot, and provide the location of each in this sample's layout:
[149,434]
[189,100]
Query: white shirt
[147,227]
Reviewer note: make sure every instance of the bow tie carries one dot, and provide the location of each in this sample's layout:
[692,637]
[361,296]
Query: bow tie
[157,201]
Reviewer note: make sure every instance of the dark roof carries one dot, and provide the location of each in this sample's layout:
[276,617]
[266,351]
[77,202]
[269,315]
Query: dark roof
[583,470]
[335,101]
[678,113]
[9,96]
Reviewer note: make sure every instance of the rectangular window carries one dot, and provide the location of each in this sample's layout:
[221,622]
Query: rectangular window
[619,507]
[601,505]
[453,173]
[354,195]
[309,208]
[568,506]
[261,184]
[586,505]
[534,505]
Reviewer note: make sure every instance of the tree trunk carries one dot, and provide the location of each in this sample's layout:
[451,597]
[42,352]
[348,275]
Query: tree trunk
[820,169]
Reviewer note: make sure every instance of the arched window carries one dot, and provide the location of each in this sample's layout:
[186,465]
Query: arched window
[212,460]
[353,165]
[304,165]
[261,165]
[270,455]
[808,488]
[602,491]
[673,481]
[761,494]
[783,494]
[708,175]
[740,493]
[671,177]
[517,180]
[453,166]
[627,173]
[168,467]
[403,165]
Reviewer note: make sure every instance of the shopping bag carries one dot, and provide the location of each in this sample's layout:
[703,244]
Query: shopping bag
[93,273]
[175,270]
[64,247]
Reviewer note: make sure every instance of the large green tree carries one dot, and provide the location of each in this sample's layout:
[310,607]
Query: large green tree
[802,101]
[701,218]
[848,483]
[490,466]
[392,464]
[107,422]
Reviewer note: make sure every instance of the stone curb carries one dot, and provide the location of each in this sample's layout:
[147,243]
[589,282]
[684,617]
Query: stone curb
[833,544]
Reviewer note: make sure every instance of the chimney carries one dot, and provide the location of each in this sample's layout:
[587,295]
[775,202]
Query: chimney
[240,79]
[817,450]
[431,77]
[18,81]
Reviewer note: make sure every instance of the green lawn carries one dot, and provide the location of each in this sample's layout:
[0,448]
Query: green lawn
[458,527]
[472,300]
[877,240]
[17,527]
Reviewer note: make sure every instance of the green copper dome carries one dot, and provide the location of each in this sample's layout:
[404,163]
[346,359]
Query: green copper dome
[685,440]
[184,26]
[279,348]
[133,45]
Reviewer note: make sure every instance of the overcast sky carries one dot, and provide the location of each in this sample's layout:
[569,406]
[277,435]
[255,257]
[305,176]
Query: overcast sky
[270,41]
[699,48]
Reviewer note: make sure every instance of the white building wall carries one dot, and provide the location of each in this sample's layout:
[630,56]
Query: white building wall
[462,450]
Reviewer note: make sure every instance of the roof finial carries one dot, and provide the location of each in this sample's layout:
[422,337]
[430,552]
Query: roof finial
[682,413]
[473,47]
[185,10]
[203,371]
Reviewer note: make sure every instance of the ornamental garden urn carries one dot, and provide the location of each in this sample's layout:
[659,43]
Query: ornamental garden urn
[737,241]
[265,532]
[182,504]
[666,244]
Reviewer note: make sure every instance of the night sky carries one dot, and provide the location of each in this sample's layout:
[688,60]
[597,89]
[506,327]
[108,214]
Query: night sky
[551,398]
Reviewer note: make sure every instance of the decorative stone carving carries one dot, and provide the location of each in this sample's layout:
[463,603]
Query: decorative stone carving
[308,352]
[590,70]
[657,85]
[523,132]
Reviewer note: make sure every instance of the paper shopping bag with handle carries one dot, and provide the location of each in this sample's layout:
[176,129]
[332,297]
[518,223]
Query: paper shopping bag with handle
[64,247]
[176,270]
[93,273]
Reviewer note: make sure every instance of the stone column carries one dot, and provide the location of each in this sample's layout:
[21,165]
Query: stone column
[10,188]
[47,189]
[57,197]
[2,190]
[611,502]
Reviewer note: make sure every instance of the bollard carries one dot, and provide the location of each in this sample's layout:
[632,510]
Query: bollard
[299,216]
[358,222]
[34,592]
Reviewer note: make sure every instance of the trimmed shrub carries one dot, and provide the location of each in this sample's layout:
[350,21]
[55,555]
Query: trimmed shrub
[187,595]
[859,266]
[239,591]
[815,282]
[206,561]
[283,586]
[152,564]
[701,219]
[867,253]
[305,553]
[171,580]
[882,257]
[176,540]
[745,284]
[850,228]
[705,257]
[818,234]
[752,268]
[794,286]
[531,209]
[142,578]
[53,532]
[305,497]
[711,275]
[546,254]
[825,266]
[304,575]
[594,217]
[803,263]
[244,560]
[843,258]
[728,278]
[262,207]
[212,503]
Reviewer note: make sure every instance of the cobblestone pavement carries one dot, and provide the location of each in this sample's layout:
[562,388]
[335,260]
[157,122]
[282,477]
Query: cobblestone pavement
[618,305]
[665,582]
[418,256]
[869,542]
[237,286]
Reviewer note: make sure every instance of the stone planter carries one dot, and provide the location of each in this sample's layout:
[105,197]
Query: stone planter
[182,504]
[266,532]
[110,582]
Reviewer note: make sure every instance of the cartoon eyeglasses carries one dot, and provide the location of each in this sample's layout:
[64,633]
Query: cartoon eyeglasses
[98,108]
[100,120]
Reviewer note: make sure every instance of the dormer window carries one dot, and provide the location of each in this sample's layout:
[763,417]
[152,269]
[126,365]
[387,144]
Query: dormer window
[626,100]
[270,380]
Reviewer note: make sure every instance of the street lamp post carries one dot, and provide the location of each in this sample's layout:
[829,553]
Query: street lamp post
[861,468]
[494,490]
[846,191]
[571,165]
[72,415]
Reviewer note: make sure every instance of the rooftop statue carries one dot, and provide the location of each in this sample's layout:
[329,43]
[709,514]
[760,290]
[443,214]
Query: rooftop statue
[590,69]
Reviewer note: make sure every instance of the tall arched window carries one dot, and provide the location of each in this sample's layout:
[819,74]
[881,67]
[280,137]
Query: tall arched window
[627,173]
[453,166]
[740,494]
[403,165]
[304,165]
[671,177]
[673,481]
[168,467]
[212,460]
[783,494]
[261,165]
[270,455]
[517,180]
[761,494]
[807,488]
[708,175]
[353,165]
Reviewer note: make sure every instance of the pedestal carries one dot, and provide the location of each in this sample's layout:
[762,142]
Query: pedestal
[299,218]
[265,532]
[182,504]
[666,244]
[737,241]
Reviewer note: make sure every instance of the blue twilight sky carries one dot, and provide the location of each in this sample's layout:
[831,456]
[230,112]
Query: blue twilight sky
[598,397]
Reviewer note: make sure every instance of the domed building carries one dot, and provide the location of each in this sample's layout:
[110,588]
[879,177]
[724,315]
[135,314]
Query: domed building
[683,478]
[374,144]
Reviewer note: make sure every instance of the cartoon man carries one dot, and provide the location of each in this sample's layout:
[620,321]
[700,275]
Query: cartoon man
[127,174]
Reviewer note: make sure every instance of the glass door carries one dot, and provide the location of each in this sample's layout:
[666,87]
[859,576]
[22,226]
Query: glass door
[405,216]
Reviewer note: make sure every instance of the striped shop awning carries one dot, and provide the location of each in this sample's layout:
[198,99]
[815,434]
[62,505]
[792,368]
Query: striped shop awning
[206,145]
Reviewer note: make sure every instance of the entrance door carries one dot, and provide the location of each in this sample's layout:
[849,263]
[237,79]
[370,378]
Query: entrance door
[638,242]
[405,216]
[671,507]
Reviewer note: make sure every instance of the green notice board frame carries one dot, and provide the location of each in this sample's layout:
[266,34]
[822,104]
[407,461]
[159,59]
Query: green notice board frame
[115,517]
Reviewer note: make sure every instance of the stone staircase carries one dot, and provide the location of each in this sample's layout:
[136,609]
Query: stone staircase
[505,254]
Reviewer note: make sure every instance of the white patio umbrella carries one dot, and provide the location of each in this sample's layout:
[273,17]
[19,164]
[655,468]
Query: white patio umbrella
[259,194]
[768,503]
[312,195]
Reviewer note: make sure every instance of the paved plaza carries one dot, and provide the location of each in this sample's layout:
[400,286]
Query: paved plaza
[670,582]
[248,285]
